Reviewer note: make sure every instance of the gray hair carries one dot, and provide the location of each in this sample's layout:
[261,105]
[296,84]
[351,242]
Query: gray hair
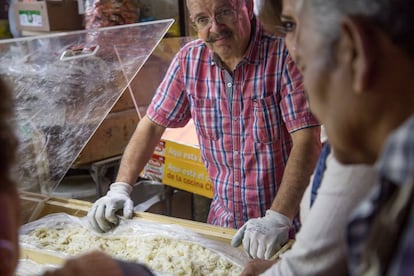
[394,17]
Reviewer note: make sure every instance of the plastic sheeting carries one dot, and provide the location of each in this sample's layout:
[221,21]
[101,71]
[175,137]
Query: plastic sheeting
[64,85]
[136,235]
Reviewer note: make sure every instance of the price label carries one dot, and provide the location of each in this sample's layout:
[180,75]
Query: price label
[30,18]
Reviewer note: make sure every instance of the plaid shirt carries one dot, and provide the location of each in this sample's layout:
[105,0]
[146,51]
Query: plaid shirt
[243,120]
[396,167]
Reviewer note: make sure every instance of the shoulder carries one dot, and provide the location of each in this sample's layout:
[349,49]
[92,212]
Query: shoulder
[274,42]
[269,49]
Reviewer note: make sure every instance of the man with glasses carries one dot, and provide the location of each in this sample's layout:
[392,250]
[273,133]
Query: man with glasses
[258,138]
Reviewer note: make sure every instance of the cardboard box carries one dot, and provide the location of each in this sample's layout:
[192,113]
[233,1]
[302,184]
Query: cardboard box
[113,134]
[48,15]
[177,162]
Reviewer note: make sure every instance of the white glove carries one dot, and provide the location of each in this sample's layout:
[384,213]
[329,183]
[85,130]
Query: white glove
[102,214]
[262,237]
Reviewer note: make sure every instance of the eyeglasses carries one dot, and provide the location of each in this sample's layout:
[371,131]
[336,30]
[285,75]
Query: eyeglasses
[225,16]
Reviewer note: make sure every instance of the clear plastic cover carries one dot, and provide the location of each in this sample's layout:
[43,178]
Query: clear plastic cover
[154,71]
[64,85]
[133,240]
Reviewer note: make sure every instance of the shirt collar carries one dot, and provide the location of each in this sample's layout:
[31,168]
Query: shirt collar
[396,162]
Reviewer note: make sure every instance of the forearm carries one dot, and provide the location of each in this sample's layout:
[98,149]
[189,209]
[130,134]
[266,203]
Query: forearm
[301,163]
[139,150]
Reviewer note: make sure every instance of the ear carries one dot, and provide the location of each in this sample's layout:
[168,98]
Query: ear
[359,47]
[250,8]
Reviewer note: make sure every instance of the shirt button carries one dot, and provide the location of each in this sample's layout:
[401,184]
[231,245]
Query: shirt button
[236,152]
[236,184]
[229,84]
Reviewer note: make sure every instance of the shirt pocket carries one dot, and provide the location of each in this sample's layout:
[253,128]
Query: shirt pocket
[266,120]
[206,118]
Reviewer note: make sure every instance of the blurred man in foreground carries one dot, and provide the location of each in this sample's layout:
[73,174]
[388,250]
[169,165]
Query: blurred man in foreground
[334,191]
[357,58]
[9,199]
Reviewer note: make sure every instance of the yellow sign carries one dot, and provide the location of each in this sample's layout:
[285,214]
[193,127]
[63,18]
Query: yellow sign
[180,166]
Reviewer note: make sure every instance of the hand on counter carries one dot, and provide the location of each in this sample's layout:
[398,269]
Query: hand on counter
[262,237]
[102,215]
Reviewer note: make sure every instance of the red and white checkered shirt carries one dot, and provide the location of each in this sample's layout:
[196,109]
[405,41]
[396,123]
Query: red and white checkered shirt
[243,120]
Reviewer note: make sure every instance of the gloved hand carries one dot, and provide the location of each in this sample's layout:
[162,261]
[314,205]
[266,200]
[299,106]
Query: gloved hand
[102,216]
[262,237]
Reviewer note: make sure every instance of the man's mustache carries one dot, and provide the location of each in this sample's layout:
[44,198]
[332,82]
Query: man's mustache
[213,37]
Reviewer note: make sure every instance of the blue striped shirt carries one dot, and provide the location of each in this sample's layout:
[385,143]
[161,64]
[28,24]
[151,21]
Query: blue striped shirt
[396,166]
